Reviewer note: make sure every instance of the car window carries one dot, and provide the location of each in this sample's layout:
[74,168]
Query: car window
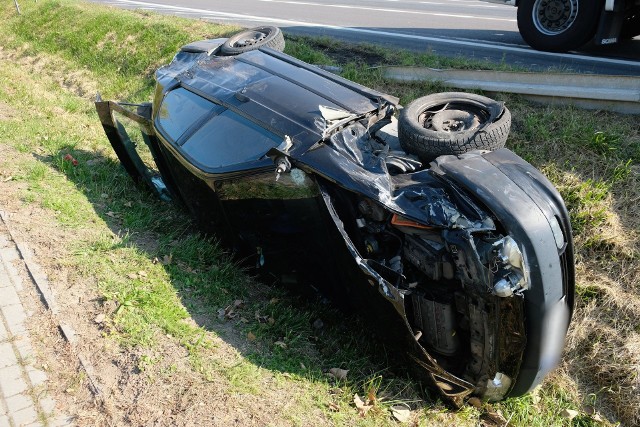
[179,110]
[229,139]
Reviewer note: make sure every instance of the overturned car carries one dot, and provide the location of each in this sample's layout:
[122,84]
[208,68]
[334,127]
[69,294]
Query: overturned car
[460,251]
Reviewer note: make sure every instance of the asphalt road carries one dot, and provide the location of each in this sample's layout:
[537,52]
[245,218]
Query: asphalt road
[468,28]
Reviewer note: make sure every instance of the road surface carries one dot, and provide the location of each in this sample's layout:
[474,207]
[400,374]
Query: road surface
[467,28]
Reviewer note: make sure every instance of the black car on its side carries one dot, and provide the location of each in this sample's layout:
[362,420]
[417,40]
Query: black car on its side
[459,251]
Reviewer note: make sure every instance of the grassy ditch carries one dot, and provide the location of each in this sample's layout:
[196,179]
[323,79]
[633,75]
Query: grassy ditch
[160,285]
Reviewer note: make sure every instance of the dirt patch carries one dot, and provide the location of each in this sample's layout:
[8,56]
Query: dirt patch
[78,82]
[7,112]
[355,54]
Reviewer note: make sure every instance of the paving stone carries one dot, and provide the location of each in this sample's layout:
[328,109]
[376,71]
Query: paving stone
[15,317]
[25,350]
[4,277]
[25,416]
[62,421]
[9,296]
[18,402]
[7,355]
[9,254]
[17,375]
[12,381]
[48,405]
[36,376]
[4,334]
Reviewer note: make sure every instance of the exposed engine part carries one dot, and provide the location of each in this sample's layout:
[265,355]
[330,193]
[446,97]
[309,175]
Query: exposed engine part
[429,256]
[482,346]
[510,258]
[361,222]
[371,210]
[376,227]
[395,264]
[259,258]
[371,245]
[437,321]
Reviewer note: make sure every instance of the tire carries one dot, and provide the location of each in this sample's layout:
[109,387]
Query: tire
[558,25]
[253,39]
[452,123]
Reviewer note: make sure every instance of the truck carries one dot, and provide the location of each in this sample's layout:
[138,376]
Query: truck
[563,25]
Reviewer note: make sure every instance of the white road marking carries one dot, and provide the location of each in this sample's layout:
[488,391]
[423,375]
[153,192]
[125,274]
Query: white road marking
[262,19]
[398,11]
[473,3]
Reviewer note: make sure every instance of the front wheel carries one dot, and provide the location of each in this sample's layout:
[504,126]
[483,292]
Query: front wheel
[558,25]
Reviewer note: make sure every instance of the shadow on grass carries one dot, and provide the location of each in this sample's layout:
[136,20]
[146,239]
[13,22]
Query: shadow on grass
[287,328]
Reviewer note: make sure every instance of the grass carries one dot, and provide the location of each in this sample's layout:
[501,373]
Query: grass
[155,275]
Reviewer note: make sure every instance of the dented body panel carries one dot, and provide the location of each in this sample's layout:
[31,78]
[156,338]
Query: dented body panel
[464,265]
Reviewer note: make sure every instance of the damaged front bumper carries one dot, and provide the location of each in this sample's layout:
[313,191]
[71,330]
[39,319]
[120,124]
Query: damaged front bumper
[481,307]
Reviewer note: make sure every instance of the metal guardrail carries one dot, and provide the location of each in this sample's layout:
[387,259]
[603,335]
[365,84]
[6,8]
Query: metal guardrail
[614,93]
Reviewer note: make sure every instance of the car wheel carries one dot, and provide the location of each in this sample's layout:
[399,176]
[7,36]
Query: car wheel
[452,123]
[558,25]
[253,39]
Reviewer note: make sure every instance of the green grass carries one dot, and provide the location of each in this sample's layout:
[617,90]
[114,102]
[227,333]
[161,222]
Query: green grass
[157,274]
[328,51]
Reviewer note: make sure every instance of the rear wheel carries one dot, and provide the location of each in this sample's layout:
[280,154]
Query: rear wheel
[253,39]
[558,25]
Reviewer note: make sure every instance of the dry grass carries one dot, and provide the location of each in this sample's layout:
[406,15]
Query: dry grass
[602,189]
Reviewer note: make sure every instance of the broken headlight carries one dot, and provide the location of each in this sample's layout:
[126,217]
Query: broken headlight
[510,261]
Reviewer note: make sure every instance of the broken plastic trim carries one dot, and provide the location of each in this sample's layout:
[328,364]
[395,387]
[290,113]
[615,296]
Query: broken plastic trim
[400,221]
[124,146]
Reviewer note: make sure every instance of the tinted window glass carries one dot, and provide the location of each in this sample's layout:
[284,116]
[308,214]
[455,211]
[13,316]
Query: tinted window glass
[179,110]
[229,139]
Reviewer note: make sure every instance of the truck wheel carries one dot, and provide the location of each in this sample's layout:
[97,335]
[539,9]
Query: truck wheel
[558,25]
[253,39]
[452,123]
